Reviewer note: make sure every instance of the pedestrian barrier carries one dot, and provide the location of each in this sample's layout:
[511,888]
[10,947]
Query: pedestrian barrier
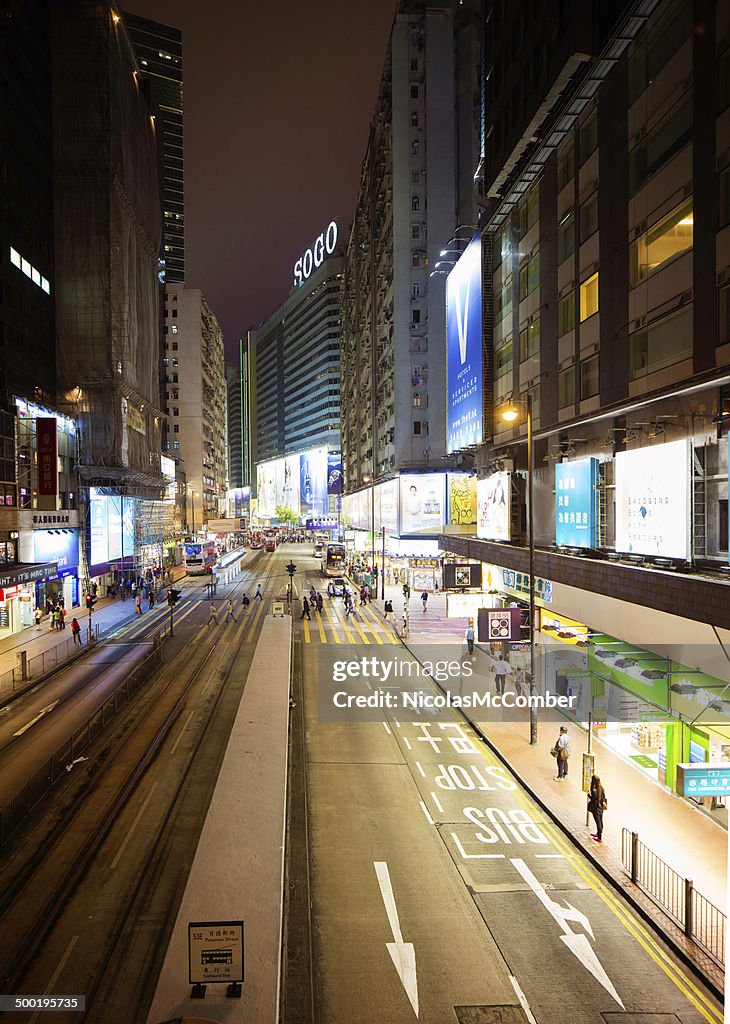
[700,920]
[44,662]
[61,760]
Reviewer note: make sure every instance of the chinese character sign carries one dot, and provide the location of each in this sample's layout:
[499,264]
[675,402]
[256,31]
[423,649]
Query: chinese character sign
[576,503]
[464,355]
[652,500]
[47,442]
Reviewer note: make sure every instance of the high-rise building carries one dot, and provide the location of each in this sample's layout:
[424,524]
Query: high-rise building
[297,382]
[195,392]
[416,190]
[158,49]
[606,230]
[237,381]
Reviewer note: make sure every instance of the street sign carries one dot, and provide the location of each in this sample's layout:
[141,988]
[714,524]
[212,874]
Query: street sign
[215,953]
[589,769]
[703,779]
[467,574]
[498,625]
[277,608]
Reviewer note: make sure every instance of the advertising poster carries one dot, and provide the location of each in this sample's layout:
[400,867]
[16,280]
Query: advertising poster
[60,546]
[462,499]
[266,488]
[99,530]
[493,507]
[422,502]
[386,506]
[652,500]
[318,461]
[464,349]
[576,503]
[334,473]
[108,543]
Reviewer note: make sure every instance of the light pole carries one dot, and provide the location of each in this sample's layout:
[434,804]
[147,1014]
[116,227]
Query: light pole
[371,480]
[510,413]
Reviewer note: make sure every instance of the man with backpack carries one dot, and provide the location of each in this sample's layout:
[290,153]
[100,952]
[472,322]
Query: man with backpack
[561,752]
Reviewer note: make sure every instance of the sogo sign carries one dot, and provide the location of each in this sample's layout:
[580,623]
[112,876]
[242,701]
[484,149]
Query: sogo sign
[315,256]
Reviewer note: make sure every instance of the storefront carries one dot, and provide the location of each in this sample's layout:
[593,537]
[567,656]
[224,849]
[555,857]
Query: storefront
[17,595]
[62,547]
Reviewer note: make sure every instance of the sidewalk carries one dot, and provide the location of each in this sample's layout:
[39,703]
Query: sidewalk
[684,837]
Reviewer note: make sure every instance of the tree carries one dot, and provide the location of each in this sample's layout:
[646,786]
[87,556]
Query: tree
[286,515]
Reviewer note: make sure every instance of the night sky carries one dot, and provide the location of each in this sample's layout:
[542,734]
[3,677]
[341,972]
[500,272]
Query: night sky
[278,99]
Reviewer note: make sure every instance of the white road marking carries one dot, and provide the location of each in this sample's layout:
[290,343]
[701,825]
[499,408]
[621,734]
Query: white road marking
[402,953]
[436,801]
[386,728]
[523,1001]
[44,711]
[429,819]
[132,827]
[475,856]
[180,734]
[407,742]
[578,945]
[57,973]
[550,856]
[418,765]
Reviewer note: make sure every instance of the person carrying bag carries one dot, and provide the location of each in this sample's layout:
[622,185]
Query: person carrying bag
[561,752]
[597,804]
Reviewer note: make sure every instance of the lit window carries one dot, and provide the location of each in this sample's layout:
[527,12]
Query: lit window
[589,297]
[14,257]
[45,285]
[26,267]
[173,329]
[672,235]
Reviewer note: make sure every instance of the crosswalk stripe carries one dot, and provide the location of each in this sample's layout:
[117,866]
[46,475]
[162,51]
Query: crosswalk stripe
[357,627]
[322,635]
[343,623]
[382,627]
[331,622]
[370,624]
[307,638]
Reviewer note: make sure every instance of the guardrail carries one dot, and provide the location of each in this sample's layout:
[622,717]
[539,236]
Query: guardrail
[61,761]
[33,668]
[700,920]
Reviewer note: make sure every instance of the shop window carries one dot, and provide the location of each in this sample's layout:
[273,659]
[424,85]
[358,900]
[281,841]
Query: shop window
[566,164]
[566,313]
[566,387]
[661,143]
[589,377]
[530,340]
[661,344]
[588,137]
[671,236]
[566,237]
[589,217]
[589,297]
[503,358]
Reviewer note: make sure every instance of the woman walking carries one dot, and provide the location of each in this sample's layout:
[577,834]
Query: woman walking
[597,804]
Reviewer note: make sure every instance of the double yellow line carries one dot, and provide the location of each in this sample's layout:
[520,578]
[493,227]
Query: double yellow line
[353,626]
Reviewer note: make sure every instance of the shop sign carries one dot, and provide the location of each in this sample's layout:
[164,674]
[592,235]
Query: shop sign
[465,606]
[576,499]
[465,574]
[315,256]
[51,519]
[499,625]
[47,442]
[424,563]
[28,574]
[4,617]
[520,582]
[698,780]
[61,546]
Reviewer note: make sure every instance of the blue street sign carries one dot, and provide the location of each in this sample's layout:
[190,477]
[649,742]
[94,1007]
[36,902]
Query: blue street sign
[703,779]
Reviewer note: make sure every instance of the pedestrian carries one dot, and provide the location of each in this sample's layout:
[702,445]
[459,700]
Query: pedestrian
[597,804]
[561,752]
[245,602]
[502,669]
[213,614]
[330,589]
[305,608]
[320,604]
[350,606]
[424,598]
[56,618]
[61,602]
[62,618]
[138,603]
[312,594]
[150,599]
[258,595]
[388,609]
[469,637]
[229,612]
[38,616]
[76,632]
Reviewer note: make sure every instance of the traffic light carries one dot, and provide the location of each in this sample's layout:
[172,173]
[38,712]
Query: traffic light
[291,569]
[90,601]
[173,596]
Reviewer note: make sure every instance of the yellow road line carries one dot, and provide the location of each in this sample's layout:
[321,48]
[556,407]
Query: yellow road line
[343,623]
[307,638]
[357,627]
[322,635]
[624,915]
[367,621]
[327,612]
[383,629]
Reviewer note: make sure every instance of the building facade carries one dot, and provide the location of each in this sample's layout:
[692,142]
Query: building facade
[606,260]
[195,392]
[415,197]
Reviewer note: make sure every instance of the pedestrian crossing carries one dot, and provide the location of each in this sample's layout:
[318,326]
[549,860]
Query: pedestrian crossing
[334,626]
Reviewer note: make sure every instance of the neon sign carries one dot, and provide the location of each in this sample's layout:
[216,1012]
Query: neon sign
[315,256]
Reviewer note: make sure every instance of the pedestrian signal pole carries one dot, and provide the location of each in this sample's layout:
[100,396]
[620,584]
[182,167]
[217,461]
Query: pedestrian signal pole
[90,602]
[173,596]
[291,569]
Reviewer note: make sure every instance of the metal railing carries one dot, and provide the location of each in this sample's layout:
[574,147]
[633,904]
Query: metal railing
[62,759]
[28,669]
[700,920]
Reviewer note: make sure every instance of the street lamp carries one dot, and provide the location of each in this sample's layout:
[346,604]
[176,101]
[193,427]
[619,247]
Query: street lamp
[510,413]
[370,479]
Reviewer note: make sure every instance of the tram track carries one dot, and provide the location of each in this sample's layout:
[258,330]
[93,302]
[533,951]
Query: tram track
[180,679]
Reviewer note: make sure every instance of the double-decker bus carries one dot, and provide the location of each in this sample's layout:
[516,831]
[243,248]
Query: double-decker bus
[333,563]
[200,558]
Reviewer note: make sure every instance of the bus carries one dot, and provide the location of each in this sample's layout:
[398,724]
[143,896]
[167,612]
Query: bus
[334,561]
[200,559]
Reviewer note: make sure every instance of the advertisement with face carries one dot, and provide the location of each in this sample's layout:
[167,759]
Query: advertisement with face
[334,473]
[386,506]
[493,507]
[652,500]
[462,499]
[464,349]
[422,503]
[266,487]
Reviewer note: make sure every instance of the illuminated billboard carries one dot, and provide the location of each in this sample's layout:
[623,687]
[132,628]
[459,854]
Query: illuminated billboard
[112,527]
[298,482]
[576,503]
[462,499]
[652,500]
[493,507]
[422,503]
[464,349]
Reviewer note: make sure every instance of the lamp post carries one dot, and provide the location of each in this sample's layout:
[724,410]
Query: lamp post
[371,480]
[510,413]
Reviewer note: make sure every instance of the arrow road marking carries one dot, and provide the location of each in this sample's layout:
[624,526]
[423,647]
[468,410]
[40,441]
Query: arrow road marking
[41,713]
[578,945]
[402,953]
